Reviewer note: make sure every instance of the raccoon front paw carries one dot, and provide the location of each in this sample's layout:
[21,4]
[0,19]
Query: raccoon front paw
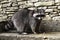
[22,33]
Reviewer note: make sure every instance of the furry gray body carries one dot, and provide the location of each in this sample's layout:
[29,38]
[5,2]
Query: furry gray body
[23,17]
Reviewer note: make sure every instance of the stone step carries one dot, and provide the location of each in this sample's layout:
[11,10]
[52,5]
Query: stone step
[42,36]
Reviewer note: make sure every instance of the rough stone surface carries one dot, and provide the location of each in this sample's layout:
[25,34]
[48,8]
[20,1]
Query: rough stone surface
[33,8]
[0,9]
[0,6]
[57,4]
[29,4]
[49,10]
[42,7]
[33,0]
[14,4]
[13,1]
[3,2]
[56,18]
[4,5]
[44,3]
[51,25]
[56,1]
[10,12]
[10,15]
[19,0]
[15,36]
[52,7]
[1,15]
[23,2]
[22,6]
[58,7]
[59,13]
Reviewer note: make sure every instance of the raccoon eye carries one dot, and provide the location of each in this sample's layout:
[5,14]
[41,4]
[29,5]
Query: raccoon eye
[37,15]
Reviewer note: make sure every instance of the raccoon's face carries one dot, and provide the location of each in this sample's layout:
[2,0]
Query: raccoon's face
[40,13]
[37,15]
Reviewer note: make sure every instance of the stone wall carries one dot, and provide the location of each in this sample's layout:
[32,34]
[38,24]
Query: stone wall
[15,36]
[9,7]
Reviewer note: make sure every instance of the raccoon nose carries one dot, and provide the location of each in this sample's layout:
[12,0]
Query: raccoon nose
[39,18]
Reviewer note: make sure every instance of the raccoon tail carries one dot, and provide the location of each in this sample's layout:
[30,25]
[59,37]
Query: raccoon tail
[9,26]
